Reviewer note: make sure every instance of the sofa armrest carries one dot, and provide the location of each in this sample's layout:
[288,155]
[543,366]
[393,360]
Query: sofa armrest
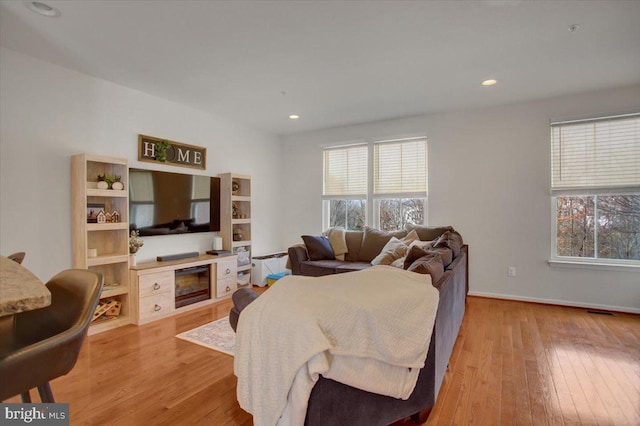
[297,255]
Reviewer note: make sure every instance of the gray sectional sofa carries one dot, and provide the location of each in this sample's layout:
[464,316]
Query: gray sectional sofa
[334,403]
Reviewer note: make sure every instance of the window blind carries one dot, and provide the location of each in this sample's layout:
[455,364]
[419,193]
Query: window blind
[345,171]
[596,154]
[400,167]
[141,189]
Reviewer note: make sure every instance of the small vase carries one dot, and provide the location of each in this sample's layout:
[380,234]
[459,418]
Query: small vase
[118,186]
[102,185]
[132,259]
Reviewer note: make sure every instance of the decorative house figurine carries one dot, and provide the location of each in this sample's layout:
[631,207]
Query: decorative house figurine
[108,217]
[115,216]
[102,217]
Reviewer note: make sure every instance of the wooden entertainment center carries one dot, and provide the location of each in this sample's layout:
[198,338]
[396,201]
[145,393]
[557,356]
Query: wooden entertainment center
[154,284]
[152,290]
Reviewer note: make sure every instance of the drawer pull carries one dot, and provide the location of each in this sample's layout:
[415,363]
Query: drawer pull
[156,286]
[157,308]
[228,271]
[228,289]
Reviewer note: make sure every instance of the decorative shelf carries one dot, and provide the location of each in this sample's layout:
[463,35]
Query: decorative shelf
[107,259]
[93,192]
[107,226]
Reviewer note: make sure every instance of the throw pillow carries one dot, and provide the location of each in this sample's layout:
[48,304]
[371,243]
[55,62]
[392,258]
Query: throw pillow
[428,233]
[373,242]
[452,240]
[391,251]
[430,264]
[338,241]
[413,254]
[445,253]
[424,245]
[318,248]
[411,237]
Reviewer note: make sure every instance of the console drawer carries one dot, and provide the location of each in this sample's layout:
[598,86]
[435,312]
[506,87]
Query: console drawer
[157,283]
[227,268]
[156,306]
[226,286]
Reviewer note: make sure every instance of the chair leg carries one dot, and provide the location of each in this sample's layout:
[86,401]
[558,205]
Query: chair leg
[45,393]
[26,397]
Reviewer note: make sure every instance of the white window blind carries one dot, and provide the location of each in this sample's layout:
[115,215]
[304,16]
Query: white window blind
[400,167]
[345,171]
[141,189]
[595,154]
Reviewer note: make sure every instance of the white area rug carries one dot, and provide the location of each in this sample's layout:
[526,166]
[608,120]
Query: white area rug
[217,335]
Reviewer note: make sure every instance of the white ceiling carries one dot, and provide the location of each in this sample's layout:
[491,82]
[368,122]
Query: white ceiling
[339,62]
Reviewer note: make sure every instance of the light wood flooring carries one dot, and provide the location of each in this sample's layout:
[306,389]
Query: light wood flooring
[514,363]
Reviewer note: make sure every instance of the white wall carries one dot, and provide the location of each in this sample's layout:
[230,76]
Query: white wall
[49,113]
[489,178]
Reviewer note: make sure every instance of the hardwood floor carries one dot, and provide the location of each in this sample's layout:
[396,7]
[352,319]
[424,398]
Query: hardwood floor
[513,363]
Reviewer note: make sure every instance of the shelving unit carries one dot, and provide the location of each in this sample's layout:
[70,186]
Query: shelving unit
[235,218]
[111,240]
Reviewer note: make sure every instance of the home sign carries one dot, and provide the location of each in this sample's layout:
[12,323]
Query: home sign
[157,150]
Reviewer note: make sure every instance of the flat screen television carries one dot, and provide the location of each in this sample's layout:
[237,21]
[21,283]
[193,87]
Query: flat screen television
[165,203]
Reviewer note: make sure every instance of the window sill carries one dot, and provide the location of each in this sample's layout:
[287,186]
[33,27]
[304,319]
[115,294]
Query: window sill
[593,264]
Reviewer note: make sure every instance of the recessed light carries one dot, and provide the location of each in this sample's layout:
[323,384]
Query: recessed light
[490,82]
[43,9]
[294,117]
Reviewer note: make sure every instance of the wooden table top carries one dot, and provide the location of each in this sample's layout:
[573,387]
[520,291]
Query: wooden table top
[20,289]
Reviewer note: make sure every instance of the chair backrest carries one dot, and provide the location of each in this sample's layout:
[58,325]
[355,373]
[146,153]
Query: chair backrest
[17,257]
[46,342]
[74,296]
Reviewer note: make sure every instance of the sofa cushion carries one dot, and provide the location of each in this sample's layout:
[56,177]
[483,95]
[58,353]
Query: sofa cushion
[352,266]
[374,240]
[394,249]
[413,254]
[452,240]
[318,248]
[317,268]
[430,264]
[354,242]
[445,252]
[428,233]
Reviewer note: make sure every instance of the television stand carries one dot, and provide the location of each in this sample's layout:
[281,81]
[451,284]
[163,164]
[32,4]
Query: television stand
[153,285]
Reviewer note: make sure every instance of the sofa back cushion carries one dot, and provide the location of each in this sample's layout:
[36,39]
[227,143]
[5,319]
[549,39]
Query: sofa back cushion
[374,240]
[354,242]
[429,264]
[428,233]
[452,240]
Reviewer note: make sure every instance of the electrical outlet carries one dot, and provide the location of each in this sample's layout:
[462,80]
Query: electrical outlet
[511,271]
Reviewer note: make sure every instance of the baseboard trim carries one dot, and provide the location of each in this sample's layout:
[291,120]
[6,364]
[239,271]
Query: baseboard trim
[556,302]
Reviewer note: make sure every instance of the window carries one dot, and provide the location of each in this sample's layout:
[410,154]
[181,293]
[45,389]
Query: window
[393,194]
[595,185]
[345,187]
[399,183]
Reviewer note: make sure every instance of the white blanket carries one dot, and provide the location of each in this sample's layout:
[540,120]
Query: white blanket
[369,329]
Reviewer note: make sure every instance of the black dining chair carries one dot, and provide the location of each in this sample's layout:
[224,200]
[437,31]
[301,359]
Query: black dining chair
[45,343]
[17,257]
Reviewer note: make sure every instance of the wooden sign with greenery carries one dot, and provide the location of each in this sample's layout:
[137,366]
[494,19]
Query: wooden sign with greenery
[157,150]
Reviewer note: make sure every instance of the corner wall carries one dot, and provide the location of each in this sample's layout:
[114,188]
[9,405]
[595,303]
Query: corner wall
[489,177]
[49,113]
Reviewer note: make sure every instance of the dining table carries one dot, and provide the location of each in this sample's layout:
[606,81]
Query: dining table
[20,289]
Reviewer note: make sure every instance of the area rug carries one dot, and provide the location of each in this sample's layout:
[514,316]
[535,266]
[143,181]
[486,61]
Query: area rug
[217,335]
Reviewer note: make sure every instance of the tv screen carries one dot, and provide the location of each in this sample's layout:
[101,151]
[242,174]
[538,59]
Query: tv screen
[163,203]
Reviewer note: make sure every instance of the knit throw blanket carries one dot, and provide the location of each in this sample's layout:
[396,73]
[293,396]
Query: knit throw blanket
[369,329]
